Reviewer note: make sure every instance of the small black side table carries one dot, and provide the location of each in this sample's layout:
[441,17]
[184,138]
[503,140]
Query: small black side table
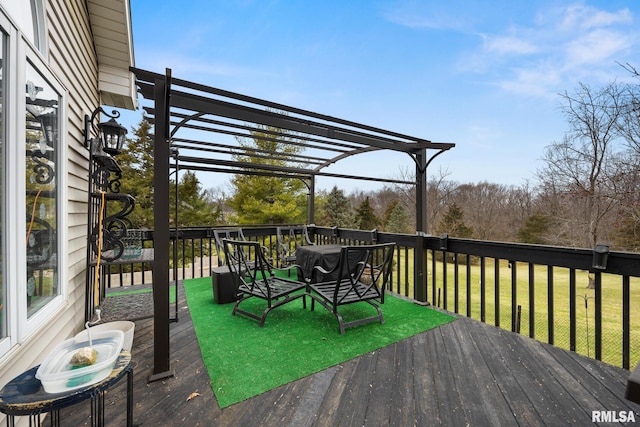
[24,395]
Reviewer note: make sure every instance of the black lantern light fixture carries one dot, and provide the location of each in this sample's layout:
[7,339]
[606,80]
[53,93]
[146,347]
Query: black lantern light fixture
[111,133]
[600,256]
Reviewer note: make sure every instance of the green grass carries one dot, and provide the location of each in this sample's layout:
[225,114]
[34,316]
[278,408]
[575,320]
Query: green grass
[585,321]
[612,300]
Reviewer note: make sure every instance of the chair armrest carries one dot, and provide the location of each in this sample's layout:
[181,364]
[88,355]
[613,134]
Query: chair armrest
[322,270]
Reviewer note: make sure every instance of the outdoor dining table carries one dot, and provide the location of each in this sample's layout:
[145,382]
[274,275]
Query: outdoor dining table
[325,256]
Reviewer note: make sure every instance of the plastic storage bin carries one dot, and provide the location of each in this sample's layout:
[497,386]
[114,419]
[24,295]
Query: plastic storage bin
[126,326]
[56,373]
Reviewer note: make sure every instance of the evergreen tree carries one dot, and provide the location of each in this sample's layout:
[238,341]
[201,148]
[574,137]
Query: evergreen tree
[337,210]
[195,206]
[365,217]
[136,162]
[267,199]
[397,219]
[627,232]
[452,223]
[534,229]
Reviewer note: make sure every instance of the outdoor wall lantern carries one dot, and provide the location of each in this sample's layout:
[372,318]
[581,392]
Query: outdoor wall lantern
[111,133]
[444,240]
[600,256]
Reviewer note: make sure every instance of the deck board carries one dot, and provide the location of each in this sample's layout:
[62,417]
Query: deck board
[462,373]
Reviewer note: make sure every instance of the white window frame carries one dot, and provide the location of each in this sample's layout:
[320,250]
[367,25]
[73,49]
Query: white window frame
[10,134]
[20,51]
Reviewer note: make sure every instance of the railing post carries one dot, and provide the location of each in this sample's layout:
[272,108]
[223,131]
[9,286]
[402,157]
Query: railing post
[420,269]
[420,256]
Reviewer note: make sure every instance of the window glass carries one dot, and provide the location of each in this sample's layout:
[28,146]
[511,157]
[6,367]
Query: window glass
[42,145]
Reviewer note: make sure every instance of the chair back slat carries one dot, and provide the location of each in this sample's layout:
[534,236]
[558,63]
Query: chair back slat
[363,272]
[288,239]
[225,233]
[248,266]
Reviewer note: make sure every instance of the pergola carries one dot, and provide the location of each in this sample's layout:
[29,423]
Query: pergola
[198,127]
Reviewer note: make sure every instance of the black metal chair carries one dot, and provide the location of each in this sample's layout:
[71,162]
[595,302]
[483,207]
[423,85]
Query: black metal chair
[226,233]
[360,275]
[288,240]
[256,278]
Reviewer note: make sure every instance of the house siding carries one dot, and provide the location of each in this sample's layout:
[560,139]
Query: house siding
[71,57]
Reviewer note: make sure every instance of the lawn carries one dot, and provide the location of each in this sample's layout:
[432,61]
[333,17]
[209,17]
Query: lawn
[583,298]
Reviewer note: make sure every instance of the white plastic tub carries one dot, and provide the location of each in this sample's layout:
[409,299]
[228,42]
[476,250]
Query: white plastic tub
[125,326]
[56,373]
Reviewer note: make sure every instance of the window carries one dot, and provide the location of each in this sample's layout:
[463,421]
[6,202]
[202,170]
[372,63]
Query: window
[32,100]
[41,149]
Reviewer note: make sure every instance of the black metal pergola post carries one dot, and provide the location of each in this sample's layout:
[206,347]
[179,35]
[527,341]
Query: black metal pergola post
[420,256]
[161,155]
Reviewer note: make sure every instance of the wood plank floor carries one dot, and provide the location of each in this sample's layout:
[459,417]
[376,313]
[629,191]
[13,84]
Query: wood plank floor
[465,373]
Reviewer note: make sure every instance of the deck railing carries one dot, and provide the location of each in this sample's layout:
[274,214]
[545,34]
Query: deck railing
[556,295]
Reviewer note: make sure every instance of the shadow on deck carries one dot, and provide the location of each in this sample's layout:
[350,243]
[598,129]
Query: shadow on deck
[462,373]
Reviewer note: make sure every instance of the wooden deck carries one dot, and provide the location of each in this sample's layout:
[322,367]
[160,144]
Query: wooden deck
[465,373]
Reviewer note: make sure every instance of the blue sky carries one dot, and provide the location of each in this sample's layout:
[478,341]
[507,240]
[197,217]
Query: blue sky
[484,75]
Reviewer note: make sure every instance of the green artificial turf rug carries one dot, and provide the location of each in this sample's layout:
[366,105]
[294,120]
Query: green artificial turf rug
[244,360]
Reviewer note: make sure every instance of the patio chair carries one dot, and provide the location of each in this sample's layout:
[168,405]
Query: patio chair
[226,233]
[256,278]
[288,240]
[361,275]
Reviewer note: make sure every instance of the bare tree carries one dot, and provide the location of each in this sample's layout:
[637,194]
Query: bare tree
[440,191]
[582,167]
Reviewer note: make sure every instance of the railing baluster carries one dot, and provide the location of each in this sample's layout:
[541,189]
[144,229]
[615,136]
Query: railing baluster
[572,309]
[514,295]
[434,275]
[444,279]
[550,317]
[468,262]
[598,315]
[483,296]
[626,323]
[532,302]
[496,293]
[456,282]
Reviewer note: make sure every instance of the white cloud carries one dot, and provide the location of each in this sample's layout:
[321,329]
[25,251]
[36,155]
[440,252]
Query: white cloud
[509,45]
[560,48]
[430,15]
[597,46]
[553,50]
[532,81]
[578,17]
